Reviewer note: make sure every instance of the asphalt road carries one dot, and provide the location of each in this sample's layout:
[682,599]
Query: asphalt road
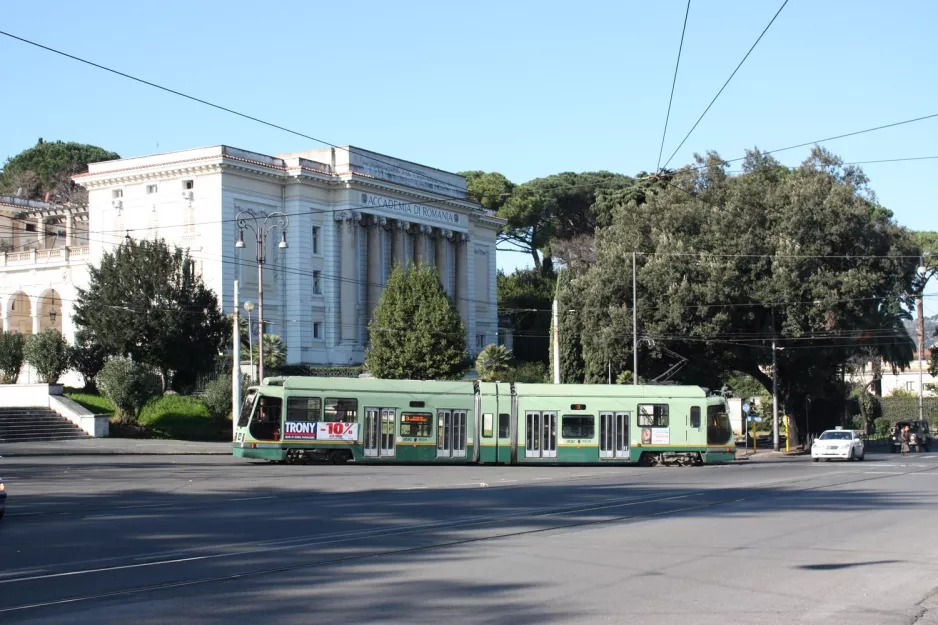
[215,540]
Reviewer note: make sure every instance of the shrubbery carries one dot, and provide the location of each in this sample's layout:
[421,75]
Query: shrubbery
[217,396]
[12,345]
[129,386]
[48,353]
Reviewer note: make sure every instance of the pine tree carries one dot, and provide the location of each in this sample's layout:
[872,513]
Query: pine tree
[416,333]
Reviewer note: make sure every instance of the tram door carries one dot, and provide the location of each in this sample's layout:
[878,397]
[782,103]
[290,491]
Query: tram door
[614,435]
[451,434]
[540,435]
[379,432]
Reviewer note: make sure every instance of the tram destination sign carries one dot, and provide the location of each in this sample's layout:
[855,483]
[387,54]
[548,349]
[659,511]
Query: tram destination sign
[418,211]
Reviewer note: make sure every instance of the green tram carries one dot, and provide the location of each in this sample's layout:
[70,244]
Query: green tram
[294,419]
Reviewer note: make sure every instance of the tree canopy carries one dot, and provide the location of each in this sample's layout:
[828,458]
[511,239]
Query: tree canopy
[416,332]
[48,167]
[144,301]
[526,297]
[726,263]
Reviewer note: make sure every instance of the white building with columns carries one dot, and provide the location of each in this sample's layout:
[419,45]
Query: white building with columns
[351,215]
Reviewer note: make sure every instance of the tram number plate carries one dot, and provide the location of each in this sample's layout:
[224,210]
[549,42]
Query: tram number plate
[337,431]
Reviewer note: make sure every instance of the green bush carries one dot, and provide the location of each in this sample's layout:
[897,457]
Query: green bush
[129,386]
[87,357]
[11,356]
[319,372]
[48,354]
[530,373]
[217,396]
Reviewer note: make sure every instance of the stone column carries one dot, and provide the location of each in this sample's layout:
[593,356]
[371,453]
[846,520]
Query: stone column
[375,278]
[398,248]
[69,229]
[420,244]
[41,232]
[348,275]
[443,238]
[462,276]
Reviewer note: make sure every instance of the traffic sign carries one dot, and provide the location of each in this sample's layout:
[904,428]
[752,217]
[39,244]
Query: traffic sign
[756,419]
[746,408]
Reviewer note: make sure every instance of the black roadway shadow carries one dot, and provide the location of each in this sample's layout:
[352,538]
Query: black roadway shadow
[844,565]
[339,536]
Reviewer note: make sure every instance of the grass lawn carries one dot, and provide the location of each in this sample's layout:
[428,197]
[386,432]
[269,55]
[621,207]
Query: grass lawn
[174,417]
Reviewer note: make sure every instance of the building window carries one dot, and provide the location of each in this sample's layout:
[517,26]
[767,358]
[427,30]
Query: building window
[151,189]
[910,386]
[116,193]
[317,283]
[316,240]
[187,185]
[480,341]
[317,330]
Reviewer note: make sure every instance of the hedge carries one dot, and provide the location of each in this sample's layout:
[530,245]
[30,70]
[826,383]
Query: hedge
[893,409]
[320,372]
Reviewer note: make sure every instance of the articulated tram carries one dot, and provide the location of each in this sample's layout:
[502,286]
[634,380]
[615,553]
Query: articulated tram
[294,419]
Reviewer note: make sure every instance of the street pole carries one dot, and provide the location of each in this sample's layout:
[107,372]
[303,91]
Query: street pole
[634,322]
[261,230]
[249,307]
[260,308]
[920,311]
[555,341]
[775,442]
[236,366]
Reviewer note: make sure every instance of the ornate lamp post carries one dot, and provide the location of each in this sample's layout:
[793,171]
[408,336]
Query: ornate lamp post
[247,219]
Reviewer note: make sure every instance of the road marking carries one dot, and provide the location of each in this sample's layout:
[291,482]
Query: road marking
[254,498]
[885,473]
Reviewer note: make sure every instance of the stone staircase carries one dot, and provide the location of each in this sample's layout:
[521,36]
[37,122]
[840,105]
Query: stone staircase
[18,425]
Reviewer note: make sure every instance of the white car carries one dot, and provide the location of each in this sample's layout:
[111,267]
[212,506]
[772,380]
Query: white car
[845,444]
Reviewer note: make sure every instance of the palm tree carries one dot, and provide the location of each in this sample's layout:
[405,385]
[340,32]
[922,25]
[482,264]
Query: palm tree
[493,363]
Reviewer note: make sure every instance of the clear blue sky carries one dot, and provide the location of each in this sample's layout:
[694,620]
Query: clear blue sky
[524,88]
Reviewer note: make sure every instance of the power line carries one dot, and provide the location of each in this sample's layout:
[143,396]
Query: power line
[849,134]
[222,108]
[687,136]
[677,64]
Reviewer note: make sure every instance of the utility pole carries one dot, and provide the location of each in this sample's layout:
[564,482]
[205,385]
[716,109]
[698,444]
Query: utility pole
[236,366]
[634,322]
[555,340]
[775,442]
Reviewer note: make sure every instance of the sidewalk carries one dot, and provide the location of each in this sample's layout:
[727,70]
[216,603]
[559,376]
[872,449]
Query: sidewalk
[114,447]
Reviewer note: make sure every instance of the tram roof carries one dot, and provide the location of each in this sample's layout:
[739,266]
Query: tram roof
[609,390]
[358,385]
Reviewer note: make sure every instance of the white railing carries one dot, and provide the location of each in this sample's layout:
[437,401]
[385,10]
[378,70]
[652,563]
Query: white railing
[61,255]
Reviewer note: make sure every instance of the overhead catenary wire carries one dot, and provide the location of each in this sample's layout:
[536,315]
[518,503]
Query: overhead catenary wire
[220,107]
[753,47]
[677,65]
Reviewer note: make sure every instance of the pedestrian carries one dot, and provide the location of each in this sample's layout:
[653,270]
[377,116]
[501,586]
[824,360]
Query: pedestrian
[904,437]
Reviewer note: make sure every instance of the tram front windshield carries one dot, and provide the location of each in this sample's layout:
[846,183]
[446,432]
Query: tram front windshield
[265,424]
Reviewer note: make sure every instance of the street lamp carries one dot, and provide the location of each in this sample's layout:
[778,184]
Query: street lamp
[249,306]
[261,229]
[924,274]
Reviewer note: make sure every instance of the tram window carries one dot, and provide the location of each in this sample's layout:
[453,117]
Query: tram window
[246,408]
[265,425]
[416,425]
[304,409]
[504,425]
[695,416]
[342,409]
[487,425]
[578,426]
[653,415]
